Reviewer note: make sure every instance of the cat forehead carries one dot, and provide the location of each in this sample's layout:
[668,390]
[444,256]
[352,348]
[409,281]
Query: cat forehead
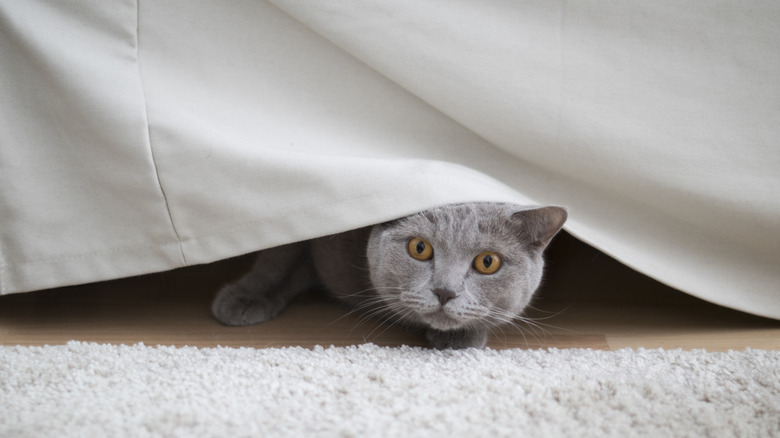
[464,215]
[465,224]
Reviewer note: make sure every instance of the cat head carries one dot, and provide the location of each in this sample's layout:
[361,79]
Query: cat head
[464,265]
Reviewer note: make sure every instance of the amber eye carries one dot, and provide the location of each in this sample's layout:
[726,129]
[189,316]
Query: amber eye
[487,262]
[420,249]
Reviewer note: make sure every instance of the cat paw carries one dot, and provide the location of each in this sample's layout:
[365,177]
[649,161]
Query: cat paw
[235,305]
[456,339]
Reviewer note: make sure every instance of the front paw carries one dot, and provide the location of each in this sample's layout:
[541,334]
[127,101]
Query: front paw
[235,305]
[456,339]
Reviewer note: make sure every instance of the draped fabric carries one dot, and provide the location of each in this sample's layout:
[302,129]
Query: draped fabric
[141,137]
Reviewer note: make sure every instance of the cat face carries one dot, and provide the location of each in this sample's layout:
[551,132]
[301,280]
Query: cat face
[461,266]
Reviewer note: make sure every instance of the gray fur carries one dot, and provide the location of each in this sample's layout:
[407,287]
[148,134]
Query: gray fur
[371,269]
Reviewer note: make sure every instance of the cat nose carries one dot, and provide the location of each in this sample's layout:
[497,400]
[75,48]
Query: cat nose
[444,295]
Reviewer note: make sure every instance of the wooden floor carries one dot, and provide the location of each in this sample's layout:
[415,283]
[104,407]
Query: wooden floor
[588,300]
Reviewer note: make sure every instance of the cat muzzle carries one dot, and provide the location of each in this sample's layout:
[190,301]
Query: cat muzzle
[444,295]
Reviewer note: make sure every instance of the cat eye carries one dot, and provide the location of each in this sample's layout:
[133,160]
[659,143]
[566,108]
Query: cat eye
[420,249]
[487,262]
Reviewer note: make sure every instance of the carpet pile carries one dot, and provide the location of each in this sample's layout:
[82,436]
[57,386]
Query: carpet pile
[82,389]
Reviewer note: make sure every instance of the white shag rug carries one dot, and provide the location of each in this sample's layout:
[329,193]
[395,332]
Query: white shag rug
[83,390]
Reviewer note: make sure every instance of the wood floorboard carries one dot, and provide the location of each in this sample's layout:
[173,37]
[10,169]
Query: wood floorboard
[588,301]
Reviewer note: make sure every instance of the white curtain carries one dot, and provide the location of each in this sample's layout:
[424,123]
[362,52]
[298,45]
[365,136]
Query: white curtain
[141,137]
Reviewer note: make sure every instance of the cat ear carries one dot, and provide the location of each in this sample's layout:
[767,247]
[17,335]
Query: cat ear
[539,225]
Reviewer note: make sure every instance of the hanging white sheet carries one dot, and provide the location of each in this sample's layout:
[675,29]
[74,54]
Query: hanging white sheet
[137,138]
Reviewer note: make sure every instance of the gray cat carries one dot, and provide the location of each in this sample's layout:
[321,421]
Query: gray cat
[456,271]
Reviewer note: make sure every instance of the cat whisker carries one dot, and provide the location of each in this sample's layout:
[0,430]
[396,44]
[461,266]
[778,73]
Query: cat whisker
[536,321]
[399,318]
[397,312]
[536,327]
[529,326]
[476,324]
[551,313]
[371,289]
[551,316]
[502,322]
[491,328]
[369,301]
[378,314]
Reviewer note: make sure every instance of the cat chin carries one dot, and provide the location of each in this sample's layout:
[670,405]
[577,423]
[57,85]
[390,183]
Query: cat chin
[444,327]
[440,320]
[444,318]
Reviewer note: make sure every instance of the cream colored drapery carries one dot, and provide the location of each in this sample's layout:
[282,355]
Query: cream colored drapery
[140,137]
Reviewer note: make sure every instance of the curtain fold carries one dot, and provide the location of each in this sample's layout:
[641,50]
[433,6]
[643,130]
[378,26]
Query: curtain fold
[143,137]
